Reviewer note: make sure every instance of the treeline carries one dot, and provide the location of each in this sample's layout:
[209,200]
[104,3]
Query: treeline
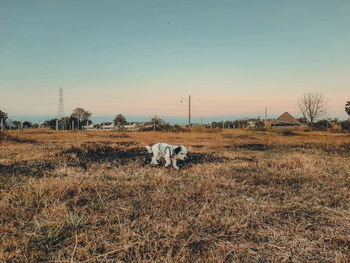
[75,121]
[81,119]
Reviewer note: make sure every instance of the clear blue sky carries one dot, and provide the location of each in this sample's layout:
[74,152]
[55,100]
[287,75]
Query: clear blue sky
[140,57]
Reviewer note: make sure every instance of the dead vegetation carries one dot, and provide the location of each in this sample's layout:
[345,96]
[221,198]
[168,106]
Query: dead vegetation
[241,196]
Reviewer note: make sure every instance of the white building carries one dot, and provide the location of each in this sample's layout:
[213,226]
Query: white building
[107,125]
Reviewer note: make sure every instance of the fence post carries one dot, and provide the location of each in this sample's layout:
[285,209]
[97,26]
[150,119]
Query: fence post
[2,124]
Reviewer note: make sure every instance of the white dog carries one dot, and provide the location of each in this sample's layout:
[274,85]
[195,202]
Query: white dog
[169,152]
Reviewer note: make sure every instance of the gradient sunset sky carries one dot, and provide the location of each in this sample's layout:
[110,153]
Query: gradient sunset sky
[140,57]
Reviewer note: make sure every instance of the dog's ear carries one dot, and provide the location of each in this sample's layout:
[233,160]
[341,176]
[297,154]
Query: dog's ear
[177,149]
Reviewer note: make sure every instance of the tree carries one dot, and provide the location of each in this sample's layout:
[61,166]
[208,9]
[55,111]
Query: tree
[50,124]
[81,115]
[347,107]
[3,116]
[323,124]
[27,125]
[64,123]
[157,122]
[119,121]
[312,106]
[345,125]
[16,124]
[73,123]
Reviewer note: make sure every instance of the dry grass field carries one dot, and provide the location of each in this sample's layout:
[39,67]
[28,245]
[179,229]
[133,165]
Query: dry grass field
[242,196]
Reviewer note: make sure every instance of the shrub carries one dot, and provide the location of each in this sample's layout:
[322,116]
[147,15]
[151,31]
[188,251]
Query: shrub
[345,125]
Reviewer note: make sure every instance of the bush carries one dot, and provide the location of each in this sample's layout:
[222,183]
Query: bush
[322,125]
[345,125]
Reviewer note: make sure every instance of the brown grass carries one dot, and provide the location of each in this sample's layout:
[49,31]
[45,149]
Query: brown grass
[242,196]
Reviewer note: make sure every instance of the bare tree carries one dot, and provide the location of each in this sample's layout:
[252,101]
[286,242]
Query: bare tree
[347,107]
[312,106]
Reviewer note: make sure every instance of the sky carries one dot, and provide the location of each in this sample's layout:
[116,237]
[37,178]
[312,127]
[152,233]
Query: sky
[139,58]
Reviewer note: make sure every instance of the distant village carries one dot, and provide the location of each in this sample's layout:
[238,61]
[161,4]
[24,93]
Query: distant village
[285,121]
[311,105]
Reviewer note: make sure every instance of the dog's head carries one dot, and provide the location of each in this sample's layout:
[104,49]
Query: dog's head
[181,152]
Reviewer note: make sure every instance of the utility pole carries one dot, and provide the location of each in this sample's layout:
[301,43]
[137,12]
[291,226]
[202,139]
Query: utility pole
[189,110]
[265,113]
[2,124]
[1,142]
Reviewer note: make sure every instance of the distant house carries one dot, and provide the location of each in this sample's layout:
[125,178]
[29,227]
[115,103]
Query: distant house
[131,127]
[137,126]
[88,127]
[107,125]
[285,120]
[252,123]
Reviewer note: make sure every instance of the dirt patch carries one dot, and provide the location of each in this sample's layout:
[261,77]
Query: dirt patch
[27,168]
[4,136]
[84,154]
[341,149]
[198,146]
[120,135]
[101,153]
[265,147]
[241,136]
[127,144]
[345,147]
[202,158]
[253,146]
[246,159]
[290,133]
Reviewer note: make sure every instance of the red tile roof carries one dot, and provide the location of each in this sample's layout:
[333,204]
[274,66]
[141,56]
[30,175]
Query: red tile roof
[286,118]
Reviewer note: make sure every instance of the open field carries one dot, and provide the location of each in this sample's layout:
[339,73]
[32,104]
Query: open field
[242,196]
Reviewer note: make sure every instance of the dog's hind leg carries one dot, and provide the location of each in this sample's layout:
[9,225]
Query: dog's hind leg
[154,160]
[167,157]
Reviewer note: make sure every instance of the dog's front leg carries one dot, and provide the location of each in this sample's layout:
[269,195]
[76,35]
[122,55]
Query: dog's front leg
[167,157]
[174,164]
[167,161]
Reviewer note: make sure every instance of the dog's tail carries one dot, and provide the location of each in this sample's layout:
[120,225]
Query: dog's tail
[149,149]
